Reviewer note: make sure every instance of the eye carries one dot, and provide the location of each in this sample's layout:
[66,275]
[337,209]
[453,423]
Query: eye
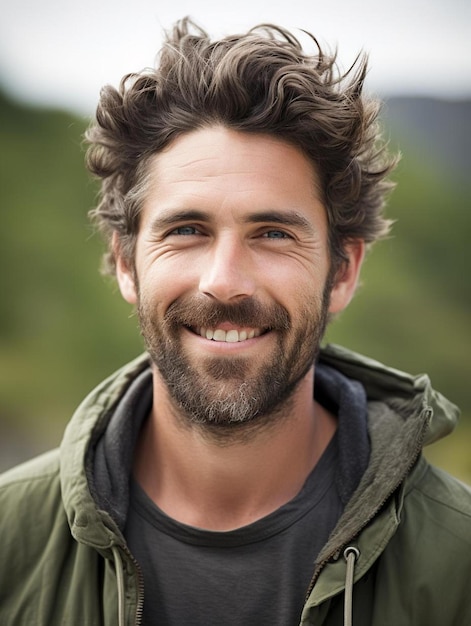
[276,234]
[185,231]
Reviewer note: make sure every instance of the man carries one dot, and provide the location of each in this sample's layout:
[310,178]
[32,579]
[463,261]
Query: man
[236,473]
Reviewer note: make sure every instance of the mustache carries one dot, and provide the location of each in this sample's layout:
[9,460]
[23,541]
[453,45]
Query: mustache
[198,311]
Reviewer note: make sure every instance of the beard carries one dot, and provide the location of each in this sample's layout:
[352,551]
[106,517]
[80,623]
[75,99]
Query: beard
[228,394]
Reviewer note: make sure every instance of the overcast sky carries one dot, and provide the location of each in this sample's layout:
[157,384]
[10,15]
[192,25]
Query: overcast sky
[61,52]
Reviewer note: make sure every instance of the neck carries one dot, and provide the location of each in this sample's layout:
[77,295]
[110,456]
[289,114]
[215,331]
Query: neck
[222,483]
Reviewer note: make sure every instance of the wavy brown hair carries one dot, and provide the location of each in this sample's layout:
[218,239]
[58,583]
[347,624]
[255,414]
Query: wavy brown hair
[258,82]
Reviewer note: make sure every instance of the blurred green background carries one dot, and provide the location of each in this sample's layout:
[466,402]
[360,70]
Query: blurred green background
[63,327]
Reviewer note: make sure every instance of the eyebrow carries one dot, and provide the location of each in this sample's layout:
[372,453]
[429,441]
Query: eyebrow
[172,217]
[284,218]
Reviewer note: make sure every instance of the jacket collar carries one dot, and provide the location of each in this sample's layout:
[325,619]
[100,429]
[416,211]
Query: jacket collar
[403,411]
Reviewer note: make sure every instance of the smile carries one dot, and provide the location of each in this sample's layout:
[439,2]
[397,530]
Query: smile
[228,336]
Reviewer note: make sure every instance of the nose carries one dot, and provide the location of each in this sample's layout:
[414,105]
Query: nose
[227,273]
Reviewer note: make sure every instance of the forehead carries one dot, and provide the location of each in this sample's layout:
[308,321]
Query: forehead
[218,150]
[217,167]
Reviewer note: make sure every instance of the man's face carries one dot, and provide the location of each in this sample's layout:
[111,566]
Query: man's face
[232,275]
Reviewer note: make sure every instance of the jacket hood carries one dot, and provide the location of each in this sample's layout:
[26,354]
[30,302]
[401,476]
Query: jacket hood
[89,524]
[404,413]
[405,393]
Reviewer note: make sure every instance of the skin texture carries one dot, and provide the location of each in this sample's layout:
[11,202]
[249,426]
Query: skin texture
[233,285]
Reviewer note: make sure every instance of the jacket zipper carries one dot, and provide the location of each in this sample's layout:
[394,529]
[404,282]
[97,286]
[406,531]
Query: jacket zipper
[140,597]
[427,413]
[140,584]
[140,589]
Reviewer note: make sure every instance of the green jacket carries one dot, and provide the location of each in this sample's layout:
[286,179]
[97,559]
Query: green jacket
[64,561]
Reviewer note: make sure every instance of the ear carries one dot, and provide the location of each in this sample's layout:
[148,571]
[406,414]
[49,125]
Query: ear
[124,274]
[347,277]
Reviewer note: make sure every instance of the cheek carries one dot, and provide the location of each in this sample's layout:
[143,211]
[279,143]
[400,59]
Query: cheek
[165,281]
[304,279]
[302,296]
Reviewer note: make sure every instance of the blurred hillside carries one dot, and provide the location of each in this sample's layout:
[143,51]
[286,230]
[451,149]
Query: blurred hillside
[63,327]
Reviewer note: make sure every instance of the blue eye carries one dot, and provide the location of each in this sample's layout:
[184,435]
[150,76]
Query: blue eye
[275,234]
[185,230]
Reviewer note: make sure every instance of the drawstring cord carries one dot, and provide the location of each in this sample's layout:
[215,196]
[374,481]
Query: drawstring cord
[118,563]
[350,555]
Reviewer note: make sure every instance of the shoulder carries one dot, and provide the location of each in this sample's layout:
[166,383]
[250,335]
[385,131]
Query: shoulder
[42,566]
[428,558]
[442,499]
[42,469]
[30,497]
[435,520]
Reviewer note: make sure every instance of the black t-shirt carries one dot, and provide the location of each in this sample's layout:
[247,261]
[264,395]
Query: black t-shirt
[256,575]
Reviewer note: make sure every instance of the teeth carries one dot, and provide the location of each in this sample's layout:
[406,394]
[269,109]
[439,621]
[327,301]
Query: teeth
[230,336]
[219,335]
